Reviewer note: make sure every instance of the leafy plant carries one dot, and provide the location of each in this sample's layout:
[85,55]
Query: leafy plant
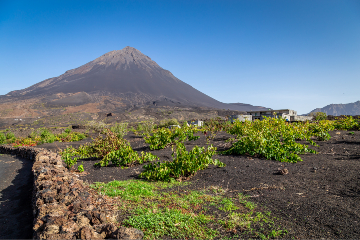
[347,123]
[120,129]
[165,137]
[68,130]
[70,137]
[167,122]
[28,142]
[184,163]
[2,138]
[81,168]
[145,128]
[96,126]
[111,148]
[183,214]
[319,116]
[47,136]
[10,135]
[274,139]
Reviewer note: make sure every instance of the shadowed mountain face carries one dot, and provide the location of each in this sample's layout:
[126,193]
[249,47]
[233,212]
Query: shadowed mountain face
[129,75]
[340,109]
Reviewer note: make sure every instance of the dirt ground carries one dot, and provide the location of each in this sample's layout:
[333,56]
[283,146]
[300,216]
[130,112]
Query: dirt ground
[16,216]
[318,198]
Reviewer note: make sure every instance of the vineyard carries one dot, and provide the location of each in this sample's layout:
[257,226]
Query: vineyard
[222,179]
[271,138]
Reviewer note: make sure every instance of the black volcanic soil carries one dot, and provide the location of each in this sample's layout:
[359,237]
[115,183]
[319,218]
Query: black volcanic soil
[16,216]
[319,198]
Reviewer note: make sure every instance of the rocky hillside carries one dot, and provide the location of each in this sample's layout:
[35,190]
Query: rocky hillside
[340,109]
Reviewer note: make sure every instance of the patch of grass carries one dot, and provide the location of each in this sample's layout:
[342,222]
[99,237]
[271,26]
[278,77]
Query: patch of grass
[171,222]
[166,209]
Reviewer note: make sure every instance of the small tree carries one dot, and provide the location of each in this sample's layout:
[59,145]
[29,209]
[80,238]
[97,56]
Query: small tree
[319,115]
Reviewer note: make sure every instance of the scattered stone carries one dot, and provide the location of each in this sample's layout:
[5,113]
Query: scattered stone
[282,171]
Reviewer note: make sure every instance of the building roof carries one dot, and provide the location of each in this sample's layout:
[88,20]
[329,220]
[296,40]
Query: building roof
[270,110]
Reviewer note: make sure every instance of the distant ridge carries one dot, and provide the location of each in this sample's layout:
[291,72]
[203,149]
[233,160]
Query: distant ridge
[126,75]
[340,109]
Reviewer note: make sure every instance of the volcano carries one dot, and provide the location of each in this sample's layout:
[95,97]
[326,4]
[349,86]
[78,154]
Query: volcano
[127,75]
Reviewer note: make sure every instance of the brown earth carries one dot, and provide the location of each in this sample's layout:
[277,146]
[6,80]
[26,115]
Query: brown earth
[65,116]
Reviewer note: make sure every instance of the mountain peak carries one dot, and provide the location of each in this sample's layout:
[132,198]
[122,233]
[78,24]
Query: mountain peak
[124,56]
[126,75]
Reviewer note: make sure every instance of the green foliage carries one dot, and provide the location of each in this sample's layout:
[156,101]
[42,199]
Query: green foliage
[69,156]
[120,129]
[319,116]
[81,168]
[2,138]
[171,222]
[70,136]
[228,205]
[275,139]
[68,130]
[111,148]
[165,137]
[10,135]
[321,129]
[145,128]
[184,214]
[47,136]
[96,126]
[184,164]
[167,122]
[347,123]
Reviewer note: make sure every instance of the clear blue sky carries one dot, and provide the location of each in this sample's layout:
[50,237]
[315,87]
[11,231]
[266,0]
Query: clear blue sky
[274,53]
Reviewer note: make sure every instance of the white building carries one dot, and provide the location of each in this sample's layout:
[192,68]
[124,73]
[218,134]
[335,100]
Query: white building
[288,114]
[197,123]
[241,118]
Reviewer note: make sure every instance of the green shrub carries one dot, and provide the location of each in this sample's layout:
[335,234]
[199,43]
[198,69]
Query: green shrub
[111,148]
[347,123]
[81,168]
[319,116]
[2,138]
[167,122]
[147,127]
[275,139]
[184,163]
[165,137]
[10,135]
[120,129]
[70,137]
[96,126]
[68,130]
[47,136]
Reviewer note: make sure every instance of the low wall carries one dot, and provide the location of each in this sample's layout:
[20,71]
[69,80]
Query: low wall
[303,118]
[63,206]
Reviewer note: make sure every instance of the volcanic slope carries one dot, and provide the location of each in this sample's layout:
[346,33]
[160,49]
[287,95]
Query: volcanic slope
[129,75]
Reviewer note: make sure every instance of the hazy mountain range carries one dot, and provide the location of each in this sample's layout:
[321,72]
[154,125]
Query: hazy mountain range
[340,109]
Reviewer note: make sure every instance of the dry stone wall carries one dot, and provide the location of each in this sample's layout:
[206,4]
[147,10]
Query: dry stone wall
[63,206]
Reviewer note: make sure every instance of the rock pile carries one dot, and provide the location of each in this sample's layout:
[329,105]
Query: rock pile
[64,207]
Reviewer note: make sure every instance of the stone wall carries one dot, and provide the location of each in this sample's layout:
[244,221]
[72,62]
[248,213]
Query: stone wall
[303,118]
[66,208]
